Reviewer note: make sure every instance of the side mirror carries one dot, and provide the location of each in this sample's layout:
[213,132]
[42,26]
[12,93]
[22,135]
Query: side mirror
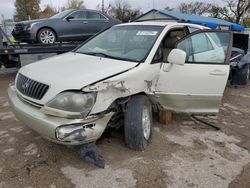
[177,57]
[69,18]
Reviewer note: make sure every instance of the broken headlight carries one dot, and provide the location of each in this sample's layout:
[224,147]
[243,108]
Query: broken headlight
[70,104]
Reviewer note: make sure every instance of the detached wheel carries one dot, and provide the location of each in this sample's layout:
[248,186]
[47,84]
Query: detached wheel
[138,123]
[241,76]
[46,36]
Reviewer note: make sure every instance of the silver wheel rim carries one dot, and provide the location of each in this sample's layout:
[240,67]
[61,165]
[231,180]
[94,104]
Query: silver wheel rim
[146,121]
[47,37]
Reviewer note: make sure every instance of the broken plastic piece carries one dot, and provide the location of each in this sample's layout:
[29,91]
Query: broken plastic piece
[90,153]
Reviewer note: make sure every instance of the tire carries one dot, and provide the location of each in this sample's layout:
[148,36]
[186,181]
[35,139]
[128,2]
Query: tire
[46,36]
[138,123]
[241,76]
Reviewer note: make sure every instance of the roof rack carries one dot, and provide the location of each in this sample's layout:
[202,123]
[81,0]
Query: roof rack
[156,19]
[164,19]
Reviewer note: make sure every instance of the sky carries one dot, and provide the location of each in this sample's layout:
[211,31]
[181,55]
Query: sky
[7,8]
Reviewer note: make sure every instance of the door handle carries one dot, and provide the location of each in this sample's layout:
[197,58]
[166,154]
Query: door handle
[85,22]
[106,21]
[217,72]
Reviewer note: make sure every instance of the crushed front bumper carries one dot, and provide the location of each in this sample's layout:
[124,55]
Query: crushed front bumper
[24,36]
[46,125]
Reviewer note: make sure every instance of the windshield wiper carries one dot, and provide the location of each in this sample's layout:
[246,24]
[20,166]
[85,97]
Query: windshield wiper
[101,54]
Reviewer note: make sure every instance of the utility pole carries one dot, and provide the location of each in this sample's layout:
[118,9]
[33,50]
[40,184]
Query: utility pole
[102,6]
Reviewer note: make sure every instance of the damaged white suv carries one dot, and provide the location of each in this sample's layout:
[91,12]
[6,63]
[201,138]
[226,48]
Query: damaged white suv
[118,77]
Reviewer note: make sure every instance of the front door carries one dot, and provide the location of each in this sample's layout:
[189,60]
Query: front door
[76,27]
[96,22]
[198,85]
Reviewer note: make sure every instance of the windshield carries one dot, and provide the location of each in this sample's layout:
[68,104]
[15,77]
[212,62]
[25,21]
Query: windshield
[131,43]
[61,14]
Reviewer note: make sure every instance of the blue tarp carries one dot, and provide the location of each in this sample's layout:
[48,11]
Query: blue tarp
[213,23]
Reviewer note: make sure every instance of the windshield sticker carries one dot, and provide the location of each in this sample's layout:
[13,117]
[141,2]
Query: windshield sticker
[152,33]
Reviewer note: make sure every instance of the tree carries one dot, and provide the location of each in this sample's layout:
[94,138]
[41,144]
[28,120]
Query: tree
[124,12]
[47,12]
[234,11]
[75,4]
[26,9]
[198,8]
[72,4]
[214,11]
[246,22]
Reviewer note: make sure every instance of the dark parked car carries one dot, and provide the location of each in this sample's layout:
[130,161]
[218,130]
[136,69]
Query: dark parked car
[65,26]
[240,60]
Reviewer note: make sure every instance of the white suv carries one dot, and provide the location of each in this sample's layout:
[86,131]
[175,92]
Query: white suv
[117,77]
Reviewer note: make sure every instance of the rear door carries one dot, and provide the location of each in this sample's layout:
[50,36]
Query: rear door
[198,85]
[97,22]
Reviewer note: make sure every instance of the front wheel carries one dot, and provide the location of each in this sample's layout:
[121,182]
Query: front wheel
[138,122]
[46,36]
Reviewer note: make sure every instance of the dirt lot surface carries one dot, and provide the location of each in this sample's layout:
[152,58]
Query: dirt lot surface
[185,153]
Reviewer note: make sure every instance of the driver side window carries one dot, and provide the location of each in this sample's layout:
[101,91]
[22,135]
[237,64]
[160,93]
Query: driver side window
[168,43]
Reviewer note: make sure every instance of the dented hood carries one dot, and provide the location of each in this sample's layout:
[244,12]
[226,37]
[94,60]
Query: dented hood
[72,71]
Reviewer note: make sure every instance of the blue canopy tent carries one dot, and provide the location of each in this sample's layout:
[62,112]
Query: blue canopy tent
[213,23]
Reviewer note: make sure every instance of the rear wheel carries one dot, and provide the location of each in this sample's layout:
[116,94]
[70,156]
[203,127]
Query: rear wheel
[46,36]
[138,122]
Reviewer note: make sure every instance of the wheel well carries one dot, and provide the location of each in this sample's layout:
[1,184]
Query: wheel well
[45,28]
[124,100]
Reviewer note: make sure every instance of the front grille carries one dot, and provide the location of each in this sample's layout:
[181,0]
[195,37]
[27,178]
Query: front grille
[18,27]
[30,87]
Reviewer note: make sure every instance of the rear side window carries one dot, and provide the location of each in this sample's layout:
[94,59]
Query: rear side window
[206,47]
[79,15]
[201,43]
[95,15]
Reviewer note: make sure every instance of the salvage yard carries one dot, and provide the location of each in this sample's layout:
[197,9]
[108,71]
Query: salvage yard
[185,153]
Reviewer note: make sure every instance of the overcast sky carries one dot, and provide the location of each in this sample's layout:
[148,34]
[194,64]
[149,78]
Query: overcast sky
[7,8]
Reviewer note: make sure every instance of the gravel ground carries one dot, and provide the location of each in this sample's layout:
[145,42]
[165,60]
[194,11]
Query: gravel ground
[182,154]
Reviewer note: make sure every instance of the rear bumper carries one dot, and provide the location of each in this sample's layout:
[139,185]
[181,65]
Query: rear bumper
[46,125]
